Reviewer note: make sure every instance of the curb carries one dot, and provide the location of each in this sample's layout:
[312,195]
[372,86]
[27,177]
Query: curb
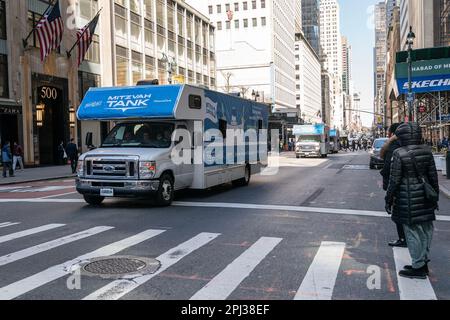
[444,190]
[37,180]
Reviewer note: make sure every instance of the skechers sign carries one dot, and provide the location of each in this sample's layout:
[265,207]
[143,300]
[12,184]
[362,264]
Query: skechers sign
[129,102]
[427,76]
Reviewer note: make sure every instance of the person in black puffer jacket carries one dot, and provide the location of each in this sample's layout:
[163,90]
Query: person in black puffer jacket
[386,154]
[406,200]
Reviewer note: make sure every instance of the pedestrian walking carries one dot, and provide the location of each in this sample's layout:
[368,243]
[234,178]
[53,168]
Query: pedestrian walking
[386,154]
[72,154]
[412,196]
[17,156]
[62,155]
[353,145]
[7,160]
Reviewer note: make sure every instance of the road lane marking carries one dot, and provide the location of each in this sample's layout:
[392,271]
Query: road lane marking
[46,189]
[8,224]
[59,195]
[117,289]
[25,253]
[37,280]
[320,279]
[411,289]
[222,285]
[348,212]
[28,232]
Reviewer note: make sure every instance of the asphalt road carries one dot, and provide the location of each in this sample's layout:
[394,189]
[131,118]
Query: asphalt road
[315,230]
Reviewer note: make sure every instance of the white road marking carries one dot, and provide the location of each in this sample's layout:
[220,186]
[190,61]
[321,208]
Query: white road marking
[8,224]
[25,253]
[37,280]
[320,279]
[117,289]
[28,232]
[46,189]
[12,189]
[222,285]
[59,195]
[411,289]
[349,212]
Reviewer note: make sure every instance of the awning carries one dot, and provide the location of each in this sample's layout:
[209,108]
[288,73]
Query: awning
[10,107]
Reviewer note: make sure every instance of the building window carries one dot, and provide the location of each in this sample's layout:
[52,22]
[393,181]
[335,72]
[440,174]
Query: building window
[263,21]
[255,22]
[219,8]
[120,22]
[93,53]
[150,73]
[210,9]
[254,4]
[135,28]
[236,24]
[136,66]
[135,6]
[236,6]
[227,7]
[245,5]
[4,89]
[263,4]
[2,20]
[227,23]
[149,36]
[245,23]
[88,8]
[121,66]
[219,25]
[149,9]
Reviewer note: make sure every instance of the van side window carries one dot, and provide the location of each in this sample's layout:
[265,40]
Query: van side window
[223,128]
[195,102]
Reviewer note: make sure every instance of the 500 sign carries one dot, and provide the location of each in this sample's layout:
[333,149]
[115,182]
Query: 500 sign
[49,93]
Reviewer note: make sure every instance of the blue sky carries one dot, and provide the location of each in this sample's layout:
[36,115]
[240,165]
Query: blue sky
[357,26]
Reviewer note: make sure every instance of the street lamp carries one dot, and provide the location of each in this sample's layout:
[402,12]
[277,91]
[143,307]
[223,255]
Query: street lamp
[255,95]
[171,64]
[409,42]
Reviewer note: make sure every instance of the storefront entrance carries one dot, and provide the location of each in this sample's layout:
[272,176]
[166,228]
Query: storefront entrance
[9,123]
[51,120]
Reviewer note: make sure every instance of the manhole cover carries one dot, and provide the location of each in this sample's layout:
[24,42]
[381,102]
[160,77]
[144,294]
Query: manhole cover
[119,266]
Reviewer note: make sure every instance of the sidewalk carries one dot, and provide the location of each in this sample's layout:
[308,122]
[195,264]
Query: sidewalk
[444,184]
[38,174]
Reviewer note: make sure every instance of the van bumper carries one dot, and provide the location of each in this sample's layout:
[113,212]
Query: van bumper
[120,188]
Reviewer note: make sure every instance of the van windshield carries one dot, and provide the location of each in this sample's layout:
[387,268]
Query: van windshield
[309,139]
[140,135]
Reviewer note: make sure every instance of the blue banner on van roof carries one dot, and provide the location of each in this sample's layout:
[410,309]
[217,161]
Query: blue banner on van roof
[130,102]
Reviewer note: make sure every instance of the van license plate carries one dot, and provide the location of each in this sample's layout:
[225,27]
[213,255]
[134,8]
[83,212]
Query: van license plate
[107,192]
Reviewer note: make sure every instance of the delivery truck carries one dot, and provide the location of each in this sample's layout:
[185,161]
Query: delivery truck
[312,140]
[170,137]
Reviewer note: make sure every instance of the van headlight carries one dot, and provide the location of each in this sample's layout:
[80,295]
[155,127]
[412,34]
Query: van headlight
[80,168]
[147,169]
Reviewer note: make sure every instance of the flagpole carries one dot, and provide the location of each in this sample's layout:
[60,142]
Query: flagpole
[25,41]
[81,35]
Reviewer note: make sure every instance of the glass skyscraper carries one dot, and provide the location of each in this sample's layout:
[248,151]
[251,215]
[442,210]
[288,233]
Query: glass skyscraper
[311,23]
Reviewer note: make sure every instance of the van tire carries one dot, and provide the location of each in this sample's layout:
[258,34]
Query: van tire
[243,182]
[93,200]
[165,193]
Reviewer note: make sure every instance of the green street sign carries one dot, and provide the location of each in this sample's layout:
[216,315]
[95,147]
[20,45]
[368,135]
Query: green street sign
[423,68]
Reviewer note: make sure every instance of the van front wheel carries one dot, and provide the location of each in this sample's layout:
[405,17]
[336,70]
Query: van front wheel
[165,193]
[245,180]
[93,200]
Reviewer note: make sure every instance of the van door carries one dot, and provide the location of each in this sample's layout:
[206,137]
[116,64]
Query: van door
[186,170]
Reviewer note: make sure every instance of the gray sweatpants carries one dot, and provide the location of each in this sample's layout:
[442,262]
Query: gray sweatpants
[418,239]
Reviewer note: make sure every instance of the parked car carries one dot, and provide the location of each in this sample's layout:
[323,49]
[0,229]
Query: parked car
[375,160]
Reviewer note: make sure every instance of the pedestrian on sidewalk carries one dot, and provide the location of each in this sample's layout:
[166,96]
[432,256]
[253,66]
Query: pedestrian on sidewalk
[386,153]
[62,155]
[17,156]
[7,159]
[72,154]
[412,196]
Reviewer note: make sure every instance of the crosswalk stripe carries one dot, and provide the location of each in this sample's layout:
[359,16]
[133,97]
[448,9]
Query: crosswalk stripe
[117,289]
[25,253]
[222,285]
[8,224]
[28,232]
[39,279]
[320,279]
[411,289]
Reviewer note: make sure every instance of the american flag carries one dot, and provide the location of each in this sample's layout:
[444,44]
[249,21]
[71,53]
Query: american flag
[50,30]
[85,36]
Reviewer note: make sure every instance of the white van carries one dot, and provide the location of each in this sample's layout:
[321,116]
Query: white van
[141,156]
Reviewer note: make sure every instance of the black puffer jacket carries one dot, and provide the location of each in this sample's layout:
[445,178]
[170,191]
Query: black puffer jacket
[405,191]
[386,172]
